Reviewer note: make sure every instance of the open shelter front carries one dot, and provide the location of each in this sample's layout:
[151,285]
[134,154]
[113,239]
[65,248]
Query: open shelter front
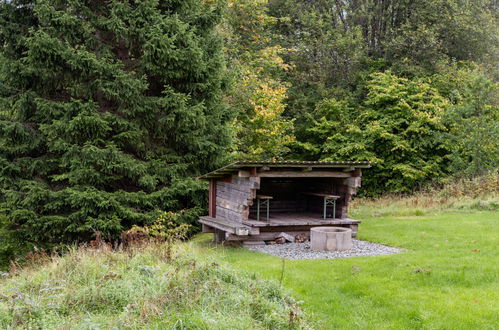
[257,201]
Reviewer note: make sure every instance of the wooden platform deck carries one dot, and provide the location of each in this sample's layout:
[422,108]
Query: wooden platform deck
[298,219]
[253,230]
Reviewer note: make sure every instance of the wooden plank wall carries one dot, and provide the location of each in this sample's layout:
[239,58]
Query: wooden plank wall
[350,188]
[234,197]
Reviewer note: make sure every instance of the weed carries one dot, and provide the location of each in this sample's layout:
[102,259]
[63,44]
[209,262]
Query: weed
[480,193]
[95,287]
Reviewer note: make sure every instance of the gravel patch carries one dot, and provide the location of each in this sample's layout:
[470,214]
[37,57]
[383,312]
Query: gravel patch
[303,250]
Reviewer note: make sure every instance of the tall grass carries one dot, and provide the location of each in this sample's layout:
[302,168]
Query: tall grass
[479,193]
[140,288]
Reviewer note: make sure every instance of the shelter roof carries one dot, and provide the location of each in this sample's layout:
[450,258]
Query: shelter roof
[291,165]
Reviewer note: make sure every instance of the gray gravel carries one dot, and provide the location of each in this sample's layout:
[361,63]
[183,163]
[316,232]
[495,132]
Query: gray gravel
[303,251]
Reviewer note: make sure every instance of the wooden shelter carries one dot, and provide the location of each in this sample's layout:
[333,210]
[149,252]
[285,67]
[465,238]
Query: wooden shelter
[257,201]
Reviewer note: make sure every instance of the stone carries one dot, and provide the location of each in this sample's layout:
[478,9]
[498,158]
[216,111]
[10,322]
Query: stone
[296,251]
[253,243]
[280,240]
[330,238]
[287,237]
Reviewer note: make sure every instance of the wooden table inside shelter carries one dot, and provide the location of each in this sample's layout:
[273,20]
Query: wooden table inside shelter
[329,200]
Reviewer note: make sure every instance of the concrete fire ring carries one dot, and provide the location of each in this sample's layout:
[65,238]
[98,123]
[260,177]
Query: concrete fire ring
[330,238]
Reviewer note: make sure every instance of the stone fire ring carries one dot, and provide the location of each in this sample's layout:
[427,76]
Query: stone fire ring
[330,238]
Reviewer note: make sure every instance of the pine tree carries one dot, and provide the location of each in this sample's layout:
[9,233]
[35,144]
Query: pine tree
[108,109]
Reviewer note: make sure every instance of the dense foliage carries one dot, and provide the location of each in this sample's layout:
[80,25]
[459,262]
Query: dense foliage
[397,128]
[258,92]
[109,109]
[410,85]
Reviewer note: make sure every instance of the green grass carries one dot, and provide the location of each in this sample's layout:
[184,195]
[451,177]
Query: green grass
[140,288]
[447,279]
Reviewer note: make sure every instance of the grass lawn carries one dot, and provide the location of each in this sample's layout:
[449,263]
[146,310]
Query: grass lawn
[447,279]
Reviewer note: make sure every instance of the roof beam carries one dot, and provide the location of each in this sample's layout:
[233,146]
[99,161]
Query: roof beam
[310,174]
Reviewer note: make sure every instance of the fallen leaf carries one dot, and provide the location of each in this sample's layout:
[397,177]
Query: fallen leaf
[111,275]
[421,270]
[355,269]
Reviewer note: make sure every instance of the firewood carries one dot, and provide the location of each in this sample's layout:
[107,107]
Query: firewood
[287,237]
[301,238]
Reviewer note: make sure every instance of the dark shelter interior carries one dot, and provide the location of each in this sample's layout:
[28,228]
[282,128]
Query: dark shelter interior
[300,196]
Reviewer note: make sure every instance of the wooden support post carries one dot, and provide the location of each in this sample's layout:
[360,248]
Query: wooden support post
[218,236]
[227,179]
[212,199]
[258,209]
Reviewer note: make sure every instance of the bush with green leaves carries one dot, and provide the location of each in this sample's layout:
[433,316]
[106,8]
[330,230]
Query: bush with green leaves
[472,119]
[166,228]
[397,128]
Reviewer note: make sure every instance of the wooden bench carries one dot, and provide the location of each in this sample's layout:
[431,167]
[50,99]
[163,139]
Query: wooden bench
[228,226]
[329,200]
[262,200]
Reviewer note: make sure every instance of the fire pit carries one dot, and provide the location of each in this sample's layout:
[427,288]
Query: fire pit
[330,238]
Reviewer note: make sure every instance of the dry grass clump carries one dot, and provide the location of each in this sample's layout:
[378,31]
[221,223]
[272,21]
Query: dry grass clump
[480,193]
[142,286]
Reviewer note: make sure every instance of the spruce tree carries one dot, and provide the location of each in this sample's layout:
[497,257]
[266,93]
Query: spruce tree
[108,110]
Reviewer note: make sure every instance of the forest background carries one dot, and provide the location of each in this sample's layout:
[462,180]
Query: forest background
[109,110]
